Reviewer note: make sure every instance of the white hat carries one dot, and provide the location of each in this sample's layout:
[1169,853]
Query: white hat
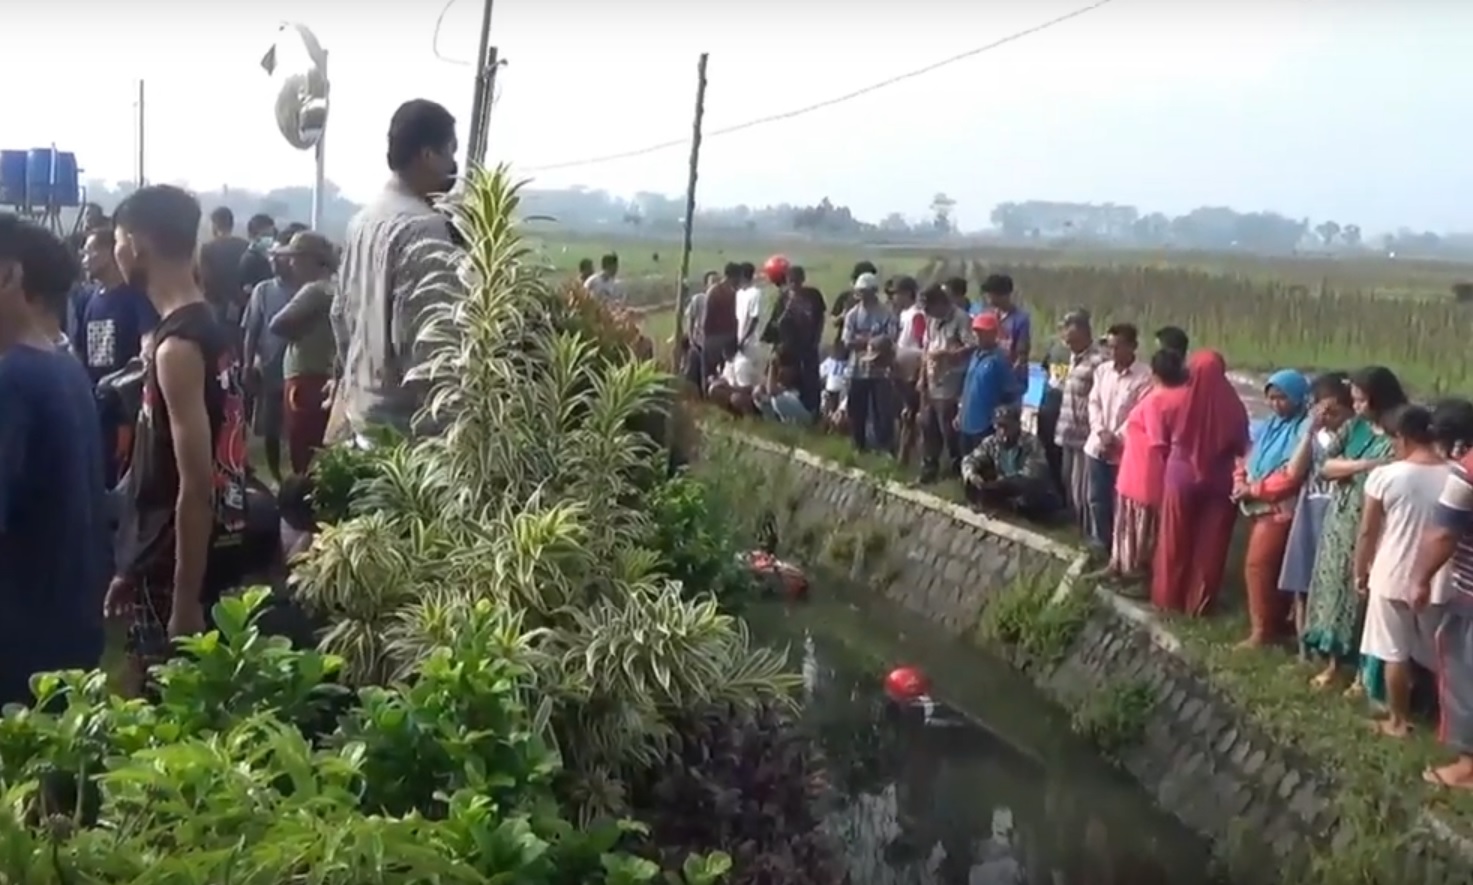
[867,281]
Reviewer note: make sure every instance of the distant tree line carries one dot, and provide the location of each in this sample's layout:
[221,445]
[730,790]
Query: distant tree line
[646,213]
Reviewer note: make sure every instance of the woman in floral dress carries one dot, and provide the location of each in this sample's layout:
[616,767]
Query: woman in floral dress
[1333,612]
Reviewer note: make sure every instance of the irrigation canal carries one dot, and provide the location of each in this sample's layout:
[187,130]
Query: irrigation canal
[988,787]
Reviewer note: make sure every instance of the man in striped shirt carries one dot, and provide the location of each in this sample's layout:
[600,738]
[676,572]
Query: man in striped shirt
[1450,545]
[396,246]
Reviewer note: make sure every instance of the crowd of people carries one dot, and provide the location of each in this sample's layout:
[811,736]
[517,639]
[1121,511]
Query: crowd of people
[133,362]
[1357,503]
[132,359]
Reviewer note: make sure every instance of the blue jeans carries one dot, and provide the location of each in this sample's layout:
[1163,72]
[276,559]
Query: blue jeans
[870,401]
[1102,501]
[788,408]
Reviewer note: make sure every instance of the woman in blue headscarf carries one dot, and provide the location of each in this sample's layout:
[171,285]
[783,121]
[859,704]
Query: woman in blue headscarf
[1266,490]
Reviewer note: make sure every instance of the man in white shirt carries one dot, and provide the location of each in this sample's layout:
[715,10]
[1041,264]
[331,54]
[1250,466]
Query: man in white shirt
[605,284]
[748,306]
[909,344]
[1119,384]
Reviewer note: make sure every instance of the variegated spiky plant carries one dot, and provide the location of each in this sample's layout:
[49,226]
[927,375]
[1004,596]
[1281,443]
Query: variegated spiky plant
[533,498]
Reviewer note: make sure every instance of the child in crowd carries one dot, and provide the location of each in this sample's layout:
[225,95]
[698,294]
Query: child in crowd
[1400,506]
[834,371]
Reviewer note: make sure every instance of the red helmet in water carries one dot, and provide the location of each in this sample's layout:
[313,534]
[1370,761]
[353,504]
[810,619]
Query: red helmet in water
[776,269]
[906,683]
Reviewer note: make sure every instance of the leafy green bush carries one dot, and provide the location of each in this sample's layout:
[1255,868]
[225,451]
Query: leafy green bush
[547,497]
[340,472]
[442,781]
[536,498]
[696,542]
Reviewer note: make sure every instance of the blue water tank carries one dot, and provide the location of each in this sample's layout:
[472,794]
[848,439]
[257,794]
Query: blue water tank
[40,165]
[66,187]
[12,178]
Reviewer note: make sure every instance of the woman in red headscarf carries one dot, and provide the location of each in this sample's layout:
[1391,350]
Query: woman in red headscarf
[1202,431]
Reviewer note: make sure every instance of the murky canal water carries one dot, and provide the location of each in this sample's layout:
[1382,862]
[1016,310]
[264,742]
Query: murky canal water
[992,788]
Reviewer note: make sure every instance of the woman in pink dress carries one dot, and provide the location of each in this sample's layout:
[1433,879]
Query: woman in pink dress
[1138,485]
[1204,434]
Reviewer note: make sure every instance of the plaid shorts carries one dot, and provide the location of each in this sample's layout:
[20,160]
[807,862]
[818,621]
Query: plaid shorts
[148,624]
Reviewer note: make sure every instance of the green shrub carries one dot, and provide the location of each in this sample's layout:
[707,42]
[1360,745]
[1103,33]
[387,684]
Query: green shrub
[1025,619]
[697,543]
[1114,718]
[442,781]
[539,497]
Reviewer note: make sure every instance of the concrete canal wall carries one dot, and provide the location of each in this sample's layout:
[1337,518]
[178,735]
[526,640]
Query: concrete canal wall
[1262,803]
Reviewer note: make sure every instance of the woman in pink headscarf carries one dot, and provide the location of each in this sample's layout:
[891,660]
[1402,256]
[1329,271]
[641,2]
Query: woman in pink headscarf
[1202,431]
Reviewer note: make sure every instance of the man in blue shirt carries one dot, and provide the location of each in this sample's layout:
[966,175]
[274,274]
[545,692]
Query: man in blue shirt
[989,383]
[111,335]
[55,554]
[1015,326]
[117,317]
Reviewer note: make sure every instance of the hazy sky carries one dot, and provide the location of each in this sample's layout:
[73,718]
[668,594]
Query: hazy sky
[1349,109]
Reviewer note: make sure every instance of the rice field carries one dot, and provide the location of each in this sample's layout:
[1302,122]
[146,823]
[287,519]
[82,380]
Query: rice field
[1257,324]
[1262,314]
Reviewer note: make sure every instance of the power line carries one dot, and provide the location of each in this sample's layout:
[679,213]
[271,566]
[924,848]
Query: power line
[827,103]
[435,40]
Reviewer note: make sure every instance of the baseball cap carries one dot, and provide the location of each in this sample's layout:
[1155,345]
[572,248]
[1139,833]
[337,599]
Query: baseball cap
[986,321]
[308,243]
[867,282]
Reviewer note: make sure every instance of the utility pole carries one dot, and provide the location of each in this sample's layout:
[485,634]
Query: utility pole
[142,122]
[319,167]
[690,196]
[475,152]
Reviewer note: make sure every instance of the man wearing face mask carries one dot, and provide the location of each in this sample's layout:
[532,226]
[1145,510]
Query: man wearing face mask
[393,245]
[255,264]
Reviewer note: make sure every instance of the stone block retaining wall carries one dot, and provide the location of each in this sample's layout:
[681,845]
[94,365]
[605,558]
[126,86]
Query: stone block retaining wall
[1204,761]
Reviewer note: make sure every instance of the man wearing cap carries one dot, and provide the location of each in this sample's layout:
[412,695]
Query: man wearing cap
[1072,433]
[263,352]
[948,343]
[1007,470]
[988,383]
[796,327]
[869,334]
[846,299]
[305,323]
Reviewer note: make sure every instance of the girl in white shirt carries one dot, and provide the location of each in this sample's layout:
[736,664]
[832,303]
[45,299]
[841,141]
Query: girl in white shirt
[1400,505]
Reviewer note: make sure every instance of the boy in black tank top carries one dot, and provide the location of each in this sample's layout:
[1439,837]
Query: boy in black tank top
[189,454]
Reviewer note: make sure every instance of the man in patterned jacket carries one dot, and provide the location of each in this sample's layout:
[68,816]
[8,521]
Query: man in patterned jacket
[394,245]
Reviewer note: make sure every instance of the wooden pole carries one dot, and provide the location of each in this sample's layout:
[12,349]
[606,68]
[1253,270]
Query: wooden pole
[475,154]
[488,87]
[142,122]
[692,175]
